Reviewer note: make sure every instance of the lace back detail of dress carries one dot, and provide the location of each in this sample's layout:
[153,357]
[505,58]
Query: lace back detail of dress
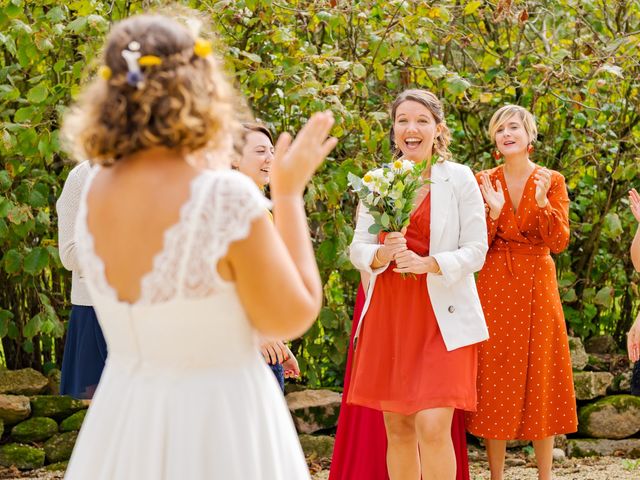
[219,211]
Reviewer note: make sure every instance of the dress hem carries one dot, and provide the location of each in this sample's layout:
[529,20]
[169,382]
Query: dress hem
[560,431]
[386,406]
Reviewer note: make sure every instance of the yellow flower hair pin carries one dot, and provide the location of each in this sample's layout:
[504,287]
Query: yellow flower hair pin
[149,61]
[104,72]
[202,47]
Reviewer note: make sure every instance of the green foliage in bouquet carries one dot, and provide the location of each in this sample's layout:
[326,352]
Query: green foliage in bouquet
[389,193]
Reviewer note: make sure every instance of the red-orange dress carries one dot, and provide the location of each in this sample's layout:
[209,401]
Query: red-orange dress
[401,363]
[525,382]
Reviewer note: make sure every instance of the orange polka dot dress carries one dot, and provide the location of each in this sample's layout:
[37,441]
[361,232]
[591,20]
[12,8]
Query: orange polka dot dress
[525,380]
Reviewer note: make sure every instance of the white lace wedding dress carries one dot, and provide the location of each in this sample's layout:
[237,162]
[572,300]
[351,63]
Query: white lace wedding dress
[185,394]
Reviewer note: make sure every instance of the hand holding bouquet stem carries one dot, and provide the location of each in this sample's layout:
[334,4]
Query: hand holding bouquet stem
[389,194]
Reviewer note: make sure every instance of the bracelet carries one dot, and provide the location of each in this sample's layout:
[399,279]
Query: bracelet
[439,271]
[375,256]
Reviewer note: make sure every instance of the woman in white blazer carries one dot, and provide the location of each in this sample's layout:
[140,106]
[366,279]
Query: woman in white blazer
[416,355]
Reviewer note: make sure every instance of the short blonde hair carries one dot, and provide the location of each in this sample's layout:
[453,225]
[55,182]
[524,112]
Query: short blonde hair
[434,105]
[185,102]
[505,113]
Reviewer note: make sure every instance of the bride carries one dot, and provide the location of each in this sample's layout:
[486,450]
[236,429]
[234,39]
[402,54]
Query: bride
[185,268]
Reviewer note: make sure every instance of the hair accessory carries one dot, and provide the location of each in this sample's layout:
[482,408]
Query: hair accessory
[104,72]
[132,55]
[497,154]
[149,61]
[194,25]
[202,47]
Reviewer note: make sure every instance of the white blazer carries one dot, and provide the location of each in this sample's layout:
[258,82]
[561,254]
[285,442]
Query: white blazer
[458,243]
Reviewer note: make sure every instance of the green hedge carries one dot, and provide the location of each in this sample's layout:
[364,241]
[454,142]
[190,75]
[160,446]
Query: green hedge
[572,62]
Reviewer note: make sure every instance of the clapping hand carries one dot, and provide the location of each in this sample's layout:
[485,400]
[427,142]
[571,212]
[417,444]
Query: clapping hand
[634,203]
[295,162]
[493,197]
[542,179]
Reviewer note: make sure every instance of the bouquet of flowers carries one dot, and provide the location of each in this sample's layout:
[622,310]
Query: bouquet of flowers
[388,193]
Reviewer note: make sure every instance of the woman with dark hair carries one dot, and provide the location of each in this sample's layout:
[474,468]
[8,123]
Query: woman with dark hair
[416,354]
[255,162]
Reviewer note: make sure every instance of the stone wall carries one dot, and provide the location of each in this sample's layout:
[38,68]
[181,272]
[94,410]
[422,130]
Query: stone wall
[608,416]
[37,426]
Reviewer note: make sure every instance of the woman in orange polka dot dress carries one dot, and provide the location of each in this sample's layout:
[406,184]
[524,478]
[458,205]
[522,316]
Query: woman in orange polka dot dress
[525,381]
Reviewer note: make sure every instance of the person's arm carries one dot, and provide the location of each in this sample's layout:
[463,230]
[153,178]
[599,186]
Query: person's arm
[553,217]
[634,203]
[472,250]
[633,341]
[67,210]
[275,270]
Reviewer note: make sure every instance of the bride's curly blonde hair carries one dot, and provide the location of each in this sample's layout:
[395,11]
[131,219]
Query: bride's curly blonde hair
[184,102]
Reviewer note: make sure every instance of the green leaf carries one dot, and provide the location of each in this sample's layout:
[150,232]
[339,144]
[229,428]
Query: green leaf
[604,297]
[613,226]
[457,85]
[36,260]
[437,71]
[359,71]
[375,229]
[32,327]
[471,7]
[9,92]
[252,56]
[12,261]
[570,296]
[5,180]
[5,319]
[384,220]
[328,318]
[24,114]
[36,199]
[78,25]
[38,94]
[56,14]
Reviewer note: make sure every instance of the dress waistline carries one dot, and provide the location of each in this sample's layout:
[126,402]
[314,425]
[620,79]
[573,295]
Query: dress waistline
[520,249]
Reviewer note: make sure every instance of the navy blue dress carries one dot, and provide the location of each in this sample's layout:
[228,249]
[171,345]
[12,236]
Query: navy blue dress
[278,371]
[85,352]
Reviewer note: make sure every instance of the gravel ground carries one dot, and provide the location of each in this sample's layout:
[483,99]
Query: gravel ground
[602,468]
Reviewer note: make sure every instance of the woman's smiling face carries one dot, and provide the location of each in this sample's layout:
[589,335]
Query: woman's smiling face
[414,129]
[257,156]
[511,137]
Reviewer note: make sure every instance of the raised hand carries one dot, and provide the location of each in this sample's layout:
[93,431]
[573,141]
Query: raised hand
[542,179]
[493,197]
[295,162]
[634,203]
